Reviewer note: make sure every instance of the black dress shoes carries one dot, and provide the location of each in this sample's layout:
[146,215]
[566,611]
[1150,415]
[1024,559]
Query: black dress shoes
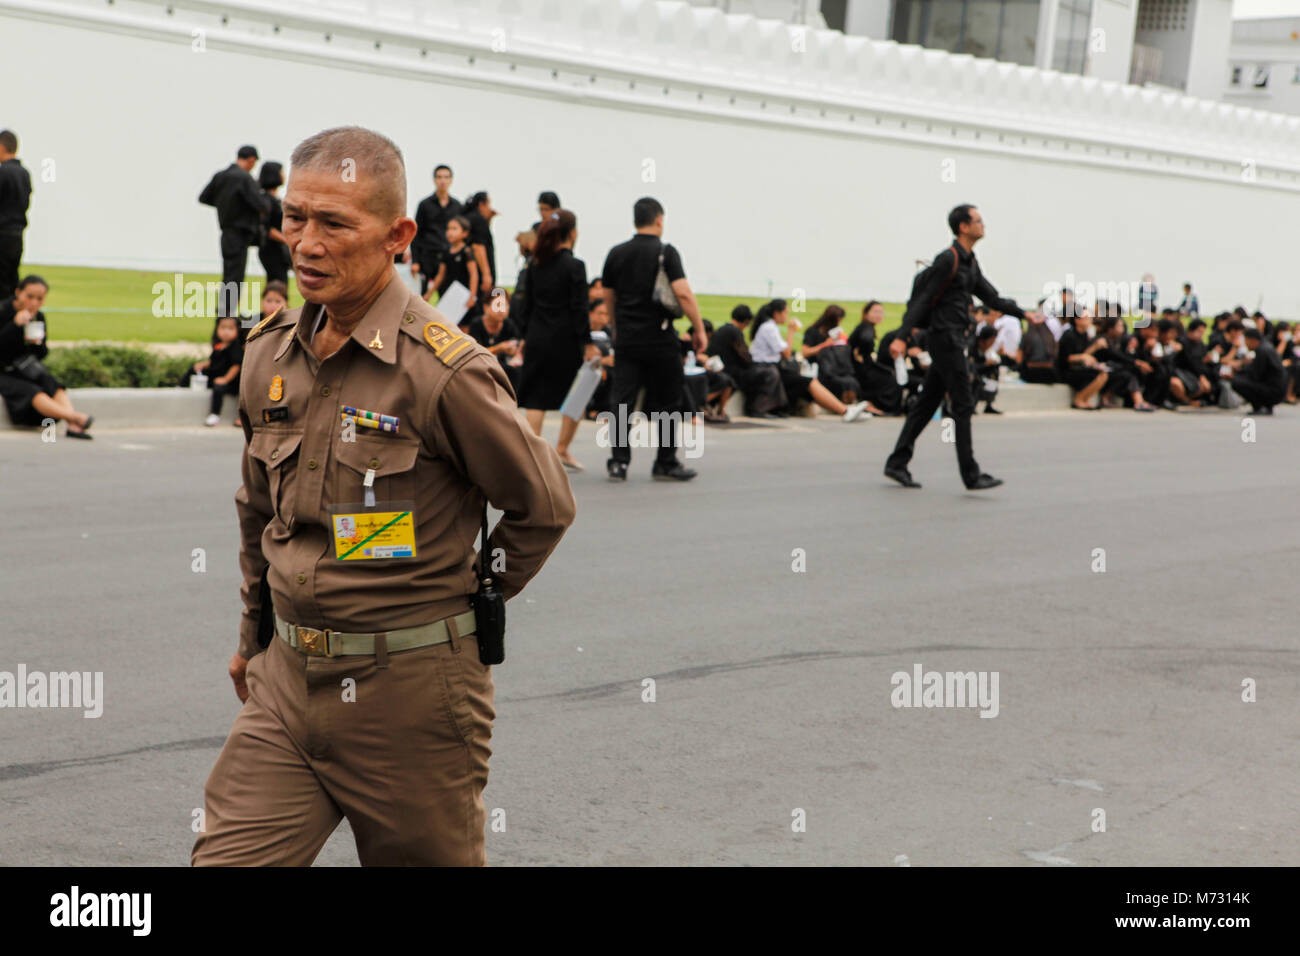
[674,472]
[902,476]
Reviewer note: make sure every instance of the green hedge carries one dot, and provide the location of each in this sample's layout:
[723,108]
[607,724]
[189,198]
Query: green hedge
[116,366]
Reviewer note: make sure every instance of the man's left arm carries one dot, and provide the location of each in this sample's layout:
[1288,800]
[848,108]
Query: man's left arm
[685,295]
[989,296]
[477,425]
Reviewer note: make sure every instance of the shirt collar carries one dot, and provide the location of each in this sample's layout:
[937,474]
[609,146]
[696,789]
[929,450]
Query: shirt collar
[376,333]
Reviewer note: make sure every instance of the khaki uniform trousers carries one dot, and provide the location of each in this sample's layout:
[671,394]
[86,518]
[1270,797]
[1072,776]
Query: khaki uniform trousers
[406,761]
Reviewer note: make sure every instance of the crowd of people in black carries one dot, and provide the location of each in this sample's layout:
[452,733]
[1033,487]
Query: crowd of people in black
[1145,363]
[586,345]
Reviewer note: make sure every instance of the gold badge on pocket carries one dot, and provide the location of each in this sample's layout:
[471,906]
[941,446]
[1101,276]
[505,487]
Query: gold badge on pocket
[276,391]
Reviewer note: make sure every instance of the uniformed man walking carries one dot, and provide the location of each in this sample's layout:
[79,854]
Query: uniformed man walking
[241,207]
[374,434]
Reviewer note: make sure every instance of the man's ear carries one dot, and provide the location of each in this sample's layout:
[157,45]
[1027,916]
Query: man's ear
[400,234]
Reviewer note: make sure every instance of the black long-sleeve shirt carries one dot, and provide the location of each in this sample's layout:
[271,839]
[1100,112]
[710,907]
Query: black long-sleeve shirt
[1192,358]
[431,218]
[1071,344]
[13,345]
[556,306]
[728,344]
[950,316]
[15,197]
[240,203]
[1266,367]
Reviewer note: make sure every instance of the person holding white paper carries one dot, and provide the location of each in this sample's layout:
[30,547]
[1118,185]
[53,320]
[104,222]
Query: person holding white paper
[456,263]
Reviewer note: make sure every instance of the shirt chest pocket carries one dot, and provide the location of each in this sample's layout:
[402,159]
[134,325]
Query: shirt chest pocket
[391,459]
[278,453]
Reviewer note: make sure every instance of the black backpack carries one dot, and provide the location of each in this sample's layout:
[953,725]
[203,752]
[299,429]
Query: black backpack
[919,282]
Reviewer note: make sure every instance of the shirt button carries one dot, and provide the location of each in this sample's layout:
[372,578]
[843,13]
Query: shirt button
[311,465]
[302,579]
[325,390]
[408,318]
[374,462]
[275,453]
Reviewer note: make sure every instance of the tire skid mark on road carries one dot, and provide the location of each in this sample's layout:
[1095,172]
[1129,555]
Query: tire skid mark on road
[20,771]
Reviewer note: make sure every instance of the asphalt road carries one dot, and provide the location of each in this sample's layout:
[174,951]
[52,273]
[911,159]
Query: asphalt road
[1118,690]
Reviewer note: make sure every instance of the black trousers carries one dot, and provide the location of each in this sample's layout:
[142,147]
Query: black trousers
[948,373]
[234,261]
[219,392]
[11,253]
[1155,387]
[1258,394]
[659,371]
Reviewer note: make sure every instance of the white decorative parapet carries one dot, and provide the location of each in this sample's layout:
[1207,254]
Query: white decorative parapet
[678,57]
[792,160]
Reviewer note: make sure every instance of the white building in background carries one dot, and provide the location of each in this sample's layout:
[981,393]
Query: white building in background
[1264,67]
[792,159]
[1180,44]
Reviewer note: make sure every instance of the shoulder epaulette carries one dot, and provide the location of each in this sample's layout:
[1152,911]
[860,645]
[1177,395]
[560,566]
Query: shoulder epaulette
[450,345]
[274,320]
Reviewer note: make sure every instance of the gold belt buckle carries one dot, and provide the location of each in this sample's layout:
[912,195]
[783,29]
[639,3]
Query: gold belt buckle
[314,642]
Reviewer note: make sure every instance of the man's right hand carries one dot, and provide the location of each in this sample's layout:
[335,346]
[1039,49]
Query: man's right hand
[897,348]
[238,665]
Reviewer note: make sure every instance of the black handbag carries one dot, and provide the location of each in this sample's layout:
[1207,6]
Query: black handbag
[29,367]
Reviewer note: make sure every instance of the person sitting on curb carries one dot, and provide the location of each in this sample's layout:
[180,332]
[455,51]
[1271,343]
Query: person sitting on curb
[221,368]
[30,392]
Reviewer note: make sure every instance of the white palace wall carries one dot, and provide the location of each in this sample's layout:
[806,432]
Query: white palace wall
[786,159]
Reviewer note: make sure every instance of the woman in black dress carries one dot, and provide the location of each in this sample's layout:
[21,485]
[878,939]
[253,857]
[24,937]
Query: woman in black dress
[273,252]
[1076,361]
[557,333]
[30,392]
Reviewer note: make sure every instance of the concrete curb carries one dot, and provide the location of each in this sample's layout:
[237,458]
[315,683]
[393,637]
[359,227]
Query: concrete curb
[141,407]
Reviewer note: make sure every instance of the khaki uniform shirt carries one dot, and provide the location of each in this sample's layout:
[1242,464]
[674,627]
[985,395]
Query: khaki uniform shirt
[460,438]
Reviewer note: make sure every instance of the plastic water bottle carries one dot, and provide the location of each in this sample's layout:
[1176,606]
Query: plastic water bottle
[900,370]
[690,360]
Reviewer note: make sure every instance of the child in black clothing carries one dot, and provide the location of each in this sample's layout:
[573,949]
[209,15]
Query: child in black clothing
[221,367]
[457,265]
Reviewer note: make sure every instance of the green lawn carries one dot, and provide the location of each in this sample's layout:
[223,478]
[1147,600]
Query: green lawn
[116,305]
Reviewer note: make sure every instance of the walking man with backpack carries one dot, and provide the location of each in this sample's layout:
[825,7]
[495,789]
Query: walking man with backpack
[940,302]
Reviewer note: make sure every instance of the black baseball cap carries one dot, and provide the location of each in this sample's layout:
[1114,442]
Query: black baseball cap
[247,152]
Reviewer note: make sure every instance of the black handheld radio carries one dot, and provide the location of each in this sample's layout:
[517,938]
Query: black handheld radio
[489,609]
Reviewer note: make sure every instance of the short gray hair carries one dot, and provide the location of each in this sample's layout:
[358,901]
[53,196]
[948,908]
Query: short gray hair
[366,154]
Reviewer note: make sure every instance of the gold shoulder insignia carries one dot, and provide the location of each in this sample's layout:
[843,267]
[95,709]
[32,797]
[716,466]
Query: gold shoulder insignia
[445,342]
[261,326]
